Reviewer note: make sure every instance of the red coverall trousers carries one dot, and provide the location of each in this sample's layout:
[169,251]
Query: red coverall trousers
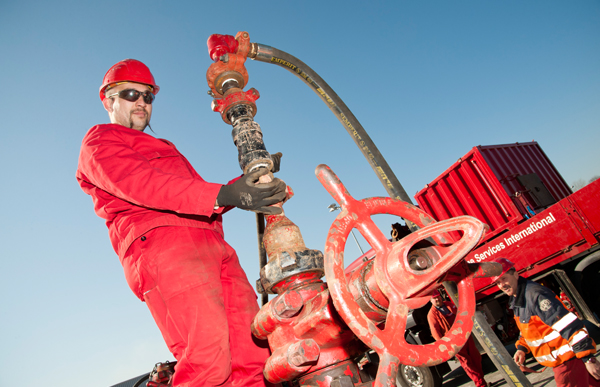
[200,298]
[468,356]
[573,373]
[470,360]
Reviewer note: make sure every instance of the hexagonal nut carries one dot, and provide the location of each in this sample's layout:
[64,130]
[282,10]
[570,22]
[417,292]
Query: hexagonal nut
[303,353]
[288,304]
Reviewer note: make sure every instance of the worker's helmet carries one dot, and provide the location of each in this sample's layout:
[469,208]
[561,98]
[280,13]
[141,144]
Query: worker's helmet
[506,266]
[435,293]
[128,70]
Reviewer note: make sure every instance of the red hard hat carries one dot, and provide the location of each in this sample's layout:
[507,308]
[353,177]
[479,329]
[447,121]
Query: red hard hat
[506,266]
[128,70]
[435,293]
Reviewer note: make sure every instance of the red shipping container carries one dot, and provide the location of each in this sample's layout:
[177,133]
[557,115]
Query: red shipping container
[501,185]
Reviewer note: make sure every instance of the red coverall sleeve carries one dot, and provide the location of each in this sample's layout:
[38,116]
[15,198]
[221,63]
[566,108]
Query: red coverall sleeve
[110,164]
[434,325]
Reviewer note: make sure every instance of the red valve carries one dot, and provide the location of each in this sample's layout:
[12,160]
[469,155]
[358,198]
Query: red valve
[219,45]
[228,68]
[404,287]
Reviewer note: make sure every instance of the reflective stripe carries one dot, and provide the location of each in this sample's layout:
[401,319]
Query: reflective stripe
[536,343]
[578,337]
[563,322]
[554,354]
[562,350]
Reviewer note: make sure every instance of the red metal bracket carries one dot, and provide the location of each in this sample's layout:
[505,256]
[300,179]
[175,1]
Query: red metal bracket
[223,105]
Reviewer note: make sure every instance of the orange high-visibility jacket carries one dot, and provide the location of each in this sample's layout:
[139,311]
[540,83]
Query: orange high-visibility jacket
[548,330]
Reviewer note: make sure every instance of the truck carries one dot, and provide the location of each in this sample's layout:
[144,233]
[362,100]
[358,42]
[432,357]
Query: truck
[534,219]
[551,233]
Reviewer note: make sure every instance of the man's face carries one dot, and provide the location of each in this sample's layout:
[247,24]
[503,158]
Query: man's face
[135,115]
[437,301]
[508,283]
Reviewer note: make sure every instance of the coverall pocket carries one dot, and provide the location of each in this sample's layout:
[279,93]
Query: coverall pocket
[168,160]
[158,153]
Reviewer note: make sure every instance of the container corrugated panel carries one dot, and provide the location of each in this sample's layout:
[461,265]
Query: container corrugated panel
[509,160]
[469,187]
[483,182]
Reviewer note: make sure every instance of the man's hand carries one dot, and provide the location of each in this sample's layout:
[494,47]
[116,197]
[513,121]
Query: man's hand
[276,158]
[593,369]
[519,357]
[246,194]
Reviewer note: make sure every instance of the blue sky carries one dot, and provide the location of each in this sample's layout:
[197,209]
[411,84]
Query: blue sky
[428,80]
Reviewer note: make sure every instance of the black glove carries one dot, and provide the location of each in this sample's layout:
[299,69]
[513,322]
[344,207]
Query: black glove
[244,193]
[276,157]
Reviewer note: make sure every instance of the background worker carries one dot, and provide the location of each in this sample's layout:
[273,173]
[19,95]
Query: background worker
[399,231]
[164,222]
[440,319]
[555,336]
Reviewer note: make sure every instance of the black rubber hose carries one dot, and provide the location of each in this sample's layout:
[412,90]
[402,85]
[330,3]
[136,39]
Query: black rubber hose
[267,54]
[141,381]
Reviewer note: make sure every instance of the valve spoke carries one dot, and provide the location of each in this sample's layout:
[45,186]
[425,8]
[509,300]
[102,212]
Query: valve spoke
[373,235]
[404,286]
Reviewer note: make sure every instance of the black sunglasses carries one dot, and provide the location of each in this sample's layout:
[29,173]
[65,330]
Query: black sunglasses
[133,95]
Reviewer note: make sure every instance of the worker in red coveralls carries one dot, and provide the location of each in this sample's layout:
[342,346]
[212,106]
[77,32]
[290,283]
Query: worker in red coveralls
[164,222]
[440,318]
[553,335]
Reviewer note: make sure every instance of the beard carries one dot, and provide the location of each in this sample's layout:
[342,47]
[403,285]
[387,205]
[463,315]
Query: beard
[145,120]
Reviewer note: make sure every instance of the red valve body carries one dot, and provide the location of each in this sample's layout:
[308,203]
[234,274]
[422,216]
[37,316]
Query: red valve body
[219,45]
[316,343]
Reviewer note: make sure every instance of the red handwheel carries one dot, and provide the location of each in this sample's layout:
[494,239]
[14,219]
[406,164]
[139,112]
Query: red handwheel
[405,287]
